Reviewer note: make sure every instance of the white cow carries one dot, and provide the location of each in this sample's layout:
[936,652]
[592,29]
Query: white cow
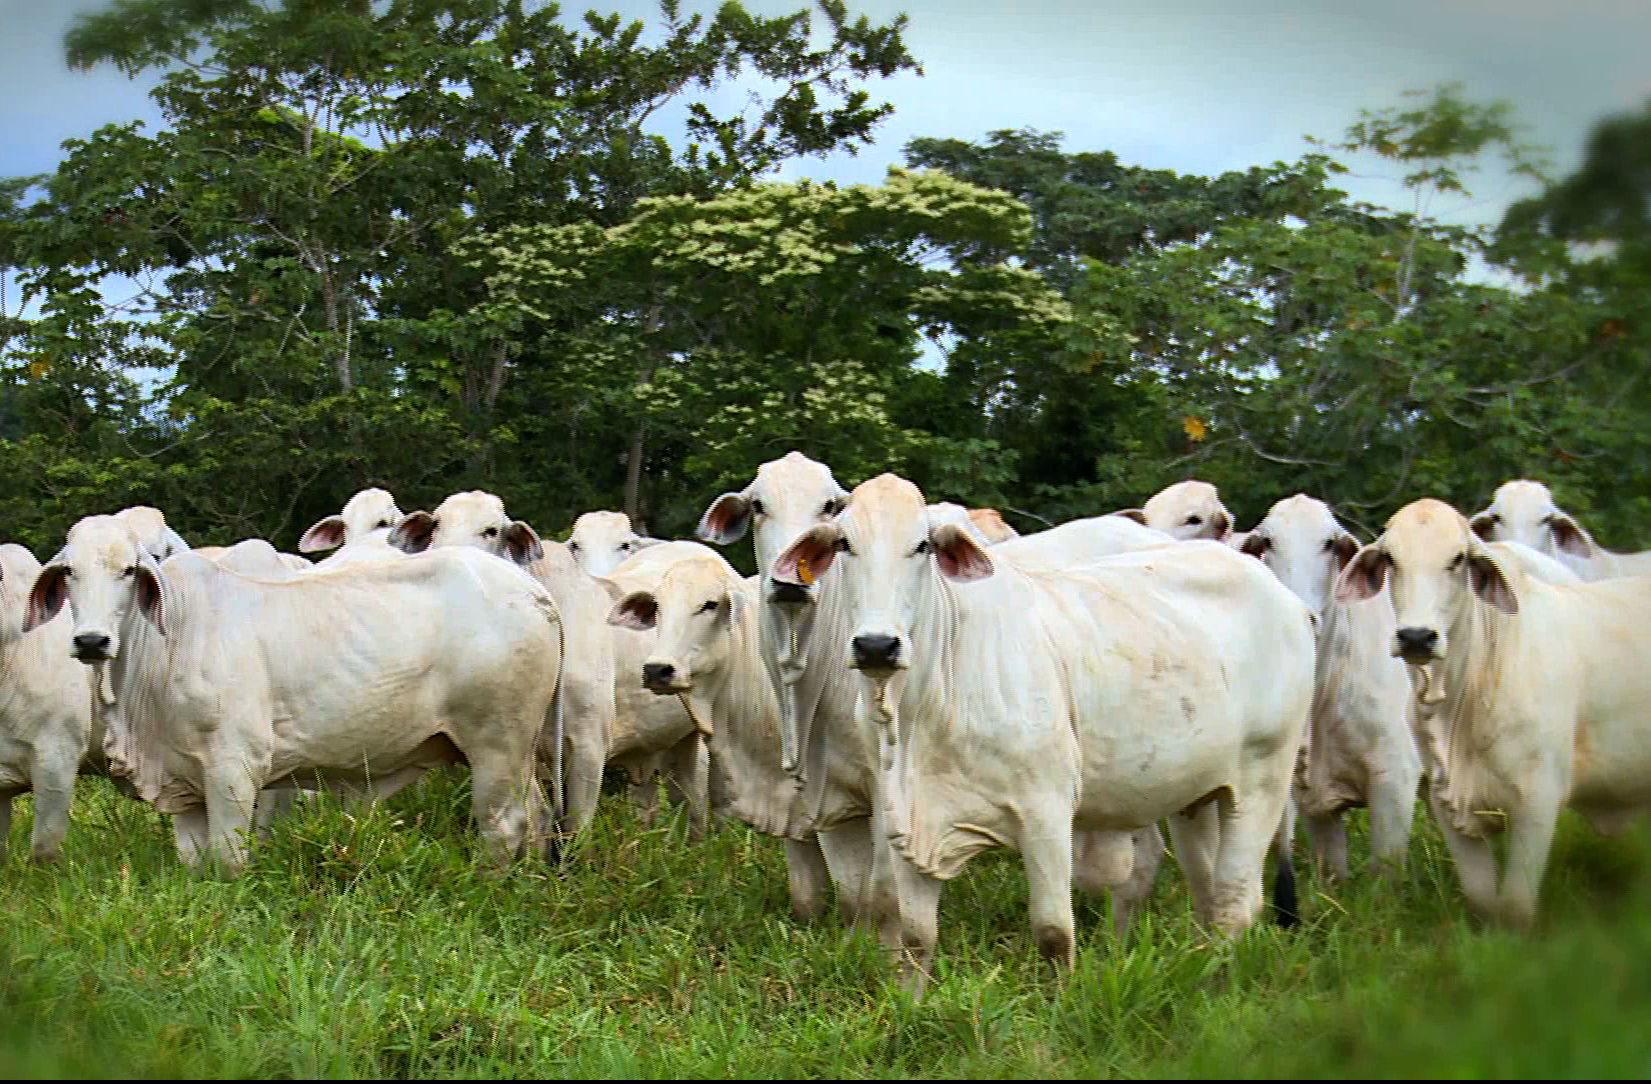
[1029,706]
[1524,511]
[1528,695]
[708,650]
[608,716]
[45,710]
[150,526]
[602,541]
[360,532]
[362,679]
[985,524]
[1185,510]
[1358,750]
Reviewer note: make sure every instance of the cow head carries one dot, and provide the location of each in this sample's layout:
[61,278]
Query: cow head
[1304,546]
[1524,511]
[370,513]
[149,524]
[602,541]
[788,497]
[1435,568]
[104,573]
[475,518]
[696,606]
[892,558]
[1188,510]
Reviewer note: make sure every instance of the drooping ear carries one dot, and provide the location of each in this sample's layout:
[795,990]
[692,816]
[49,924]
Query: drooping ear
[960,557]
[806,560]
[1255,545]
[615,592]
[1223,525]
[1135,514]
[1570,537]
[1484,525]
[413,533]
[644,543]
[726,520]
[47,596]
[736,604]
[1363,576]
[173,543]
[326,534]
[1342,548]
[638,610]
[1489,583]
[151,600]
[521,543]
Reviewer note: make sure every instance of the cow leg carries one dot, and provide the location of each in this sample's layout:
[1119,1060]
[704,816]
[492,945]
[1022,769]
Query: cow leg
[883,889]
[645,796]
[507,803]
[1530,835]
[1128,897]
[273,804]
[1251,821]
[1392,809]
[688,780]
[919,923]
[231,794]
[582,761]
[849,858]
[1327,842]
[1197,839]
[806,877]
[1475,862]
[1101,859]
[5,820]
[54,791]
[1046,854]
[189,833]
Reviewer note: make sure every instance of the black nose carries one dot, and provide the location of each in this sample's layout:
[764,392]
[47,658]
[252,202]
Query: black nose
[875,650]
[657,673]
[788,592]
[91,643]
[1417,641]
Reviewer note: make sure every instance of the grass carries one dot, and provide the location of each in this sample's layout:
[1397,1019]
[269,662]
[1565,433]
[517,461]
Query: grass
[371,946]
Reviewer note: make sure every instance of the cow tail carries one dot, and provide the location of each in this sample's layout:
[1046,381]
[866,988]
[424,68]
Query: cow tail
[1286,913]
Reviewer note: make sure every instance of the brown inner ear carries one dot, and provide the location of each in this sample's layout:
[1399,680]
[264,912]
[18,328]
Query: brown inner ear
[1489,584]
[1344,549]
[413,533]
[1569,537]
[1255,545]
[1133,513]
[725,521]
[807,559]
[638,611]
[1484,525]
[46,597]
[149,598]
[522,543]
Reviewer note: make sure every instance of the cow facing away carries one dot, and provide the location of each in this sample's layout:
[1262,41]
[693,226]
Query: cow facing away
[1528,695]
[1358,749]
[1524,511]
[1013,708]
[359,680]
[45,710]
[602,541]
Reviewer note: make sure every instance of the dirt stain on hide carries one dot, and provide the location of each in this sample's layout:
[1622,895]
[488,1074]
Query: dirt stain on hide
[1187,709]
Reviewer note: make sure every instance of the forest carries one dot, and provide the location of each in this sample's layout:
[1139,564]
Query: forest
[436,245]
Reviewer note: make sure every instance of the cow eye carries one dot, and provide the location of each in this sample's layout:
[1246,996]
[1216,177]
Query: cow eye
[490,532]
[1193,521]
[831,507]
[1329,544]
[922,547]
[131,570]
[842,546]
[624,547]
[708,607]
[756,507]
[1456,562]
[573,547]
[382,523]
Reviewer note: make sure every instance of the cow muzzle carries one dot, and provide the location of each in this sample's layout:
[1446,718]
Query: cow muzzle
[92,647]
[1416,645]
[877,651]
[792,593]
[664,678]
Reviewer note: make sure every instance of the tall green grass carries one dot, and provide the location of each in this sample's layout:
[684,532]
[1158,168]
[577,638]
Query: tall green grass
[370,945]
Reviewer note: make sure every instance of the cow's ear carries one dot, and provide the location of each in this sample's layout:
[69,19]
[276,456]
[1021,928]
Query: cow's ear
[151,599]
[638,610]
[326,534]
[1489,584]
[1363,576]
[736,604]
[1484,525]
[1223,525]
[806,560]
[1569,537]
[413,533]
[521,543]
[47,596]
[1343,547]
[1135,514]
[174,543]
[1255,545]
[960,557]
[726,520]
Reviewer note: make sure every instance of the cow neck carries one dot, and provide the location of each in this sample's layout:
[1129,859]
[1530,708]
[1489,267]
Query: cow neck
[1457,727]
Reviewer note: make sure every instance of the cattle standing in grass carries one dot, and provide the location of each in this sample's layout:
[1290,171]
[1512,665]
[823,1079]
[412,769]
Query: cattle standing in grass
[1529,695]
[1358,750]
[1013,708]
[1524,511]
[362,679]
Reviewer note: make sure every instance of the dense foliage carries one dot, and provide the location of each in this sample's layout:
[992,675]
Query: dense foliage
[445,244]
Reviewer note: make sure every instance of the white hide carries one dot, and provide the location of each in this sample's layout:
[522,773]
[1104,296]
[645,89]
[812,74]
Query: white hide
[1358,749]
[1528,695]
[602,541]
[157,539]
[359,680]
[1524,511]
[1185,511]
[45,710]
[1021,708]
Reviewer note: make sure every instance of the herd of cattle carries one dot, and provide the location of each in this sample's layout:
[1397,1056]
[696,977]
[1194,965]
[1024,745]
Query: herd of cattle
[901,686]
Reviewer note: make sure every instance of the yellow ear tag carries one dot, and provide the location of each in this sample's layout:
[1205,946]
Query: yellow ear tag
[803,573]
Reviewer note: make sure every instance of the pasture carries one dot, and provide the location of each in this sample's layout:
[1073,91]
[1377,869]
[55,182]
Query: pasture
[369,945]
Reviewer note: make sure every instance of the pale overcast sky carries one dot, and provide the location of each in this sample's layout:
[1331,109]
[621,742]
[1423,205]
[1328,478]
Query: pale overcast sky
[1193,85]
